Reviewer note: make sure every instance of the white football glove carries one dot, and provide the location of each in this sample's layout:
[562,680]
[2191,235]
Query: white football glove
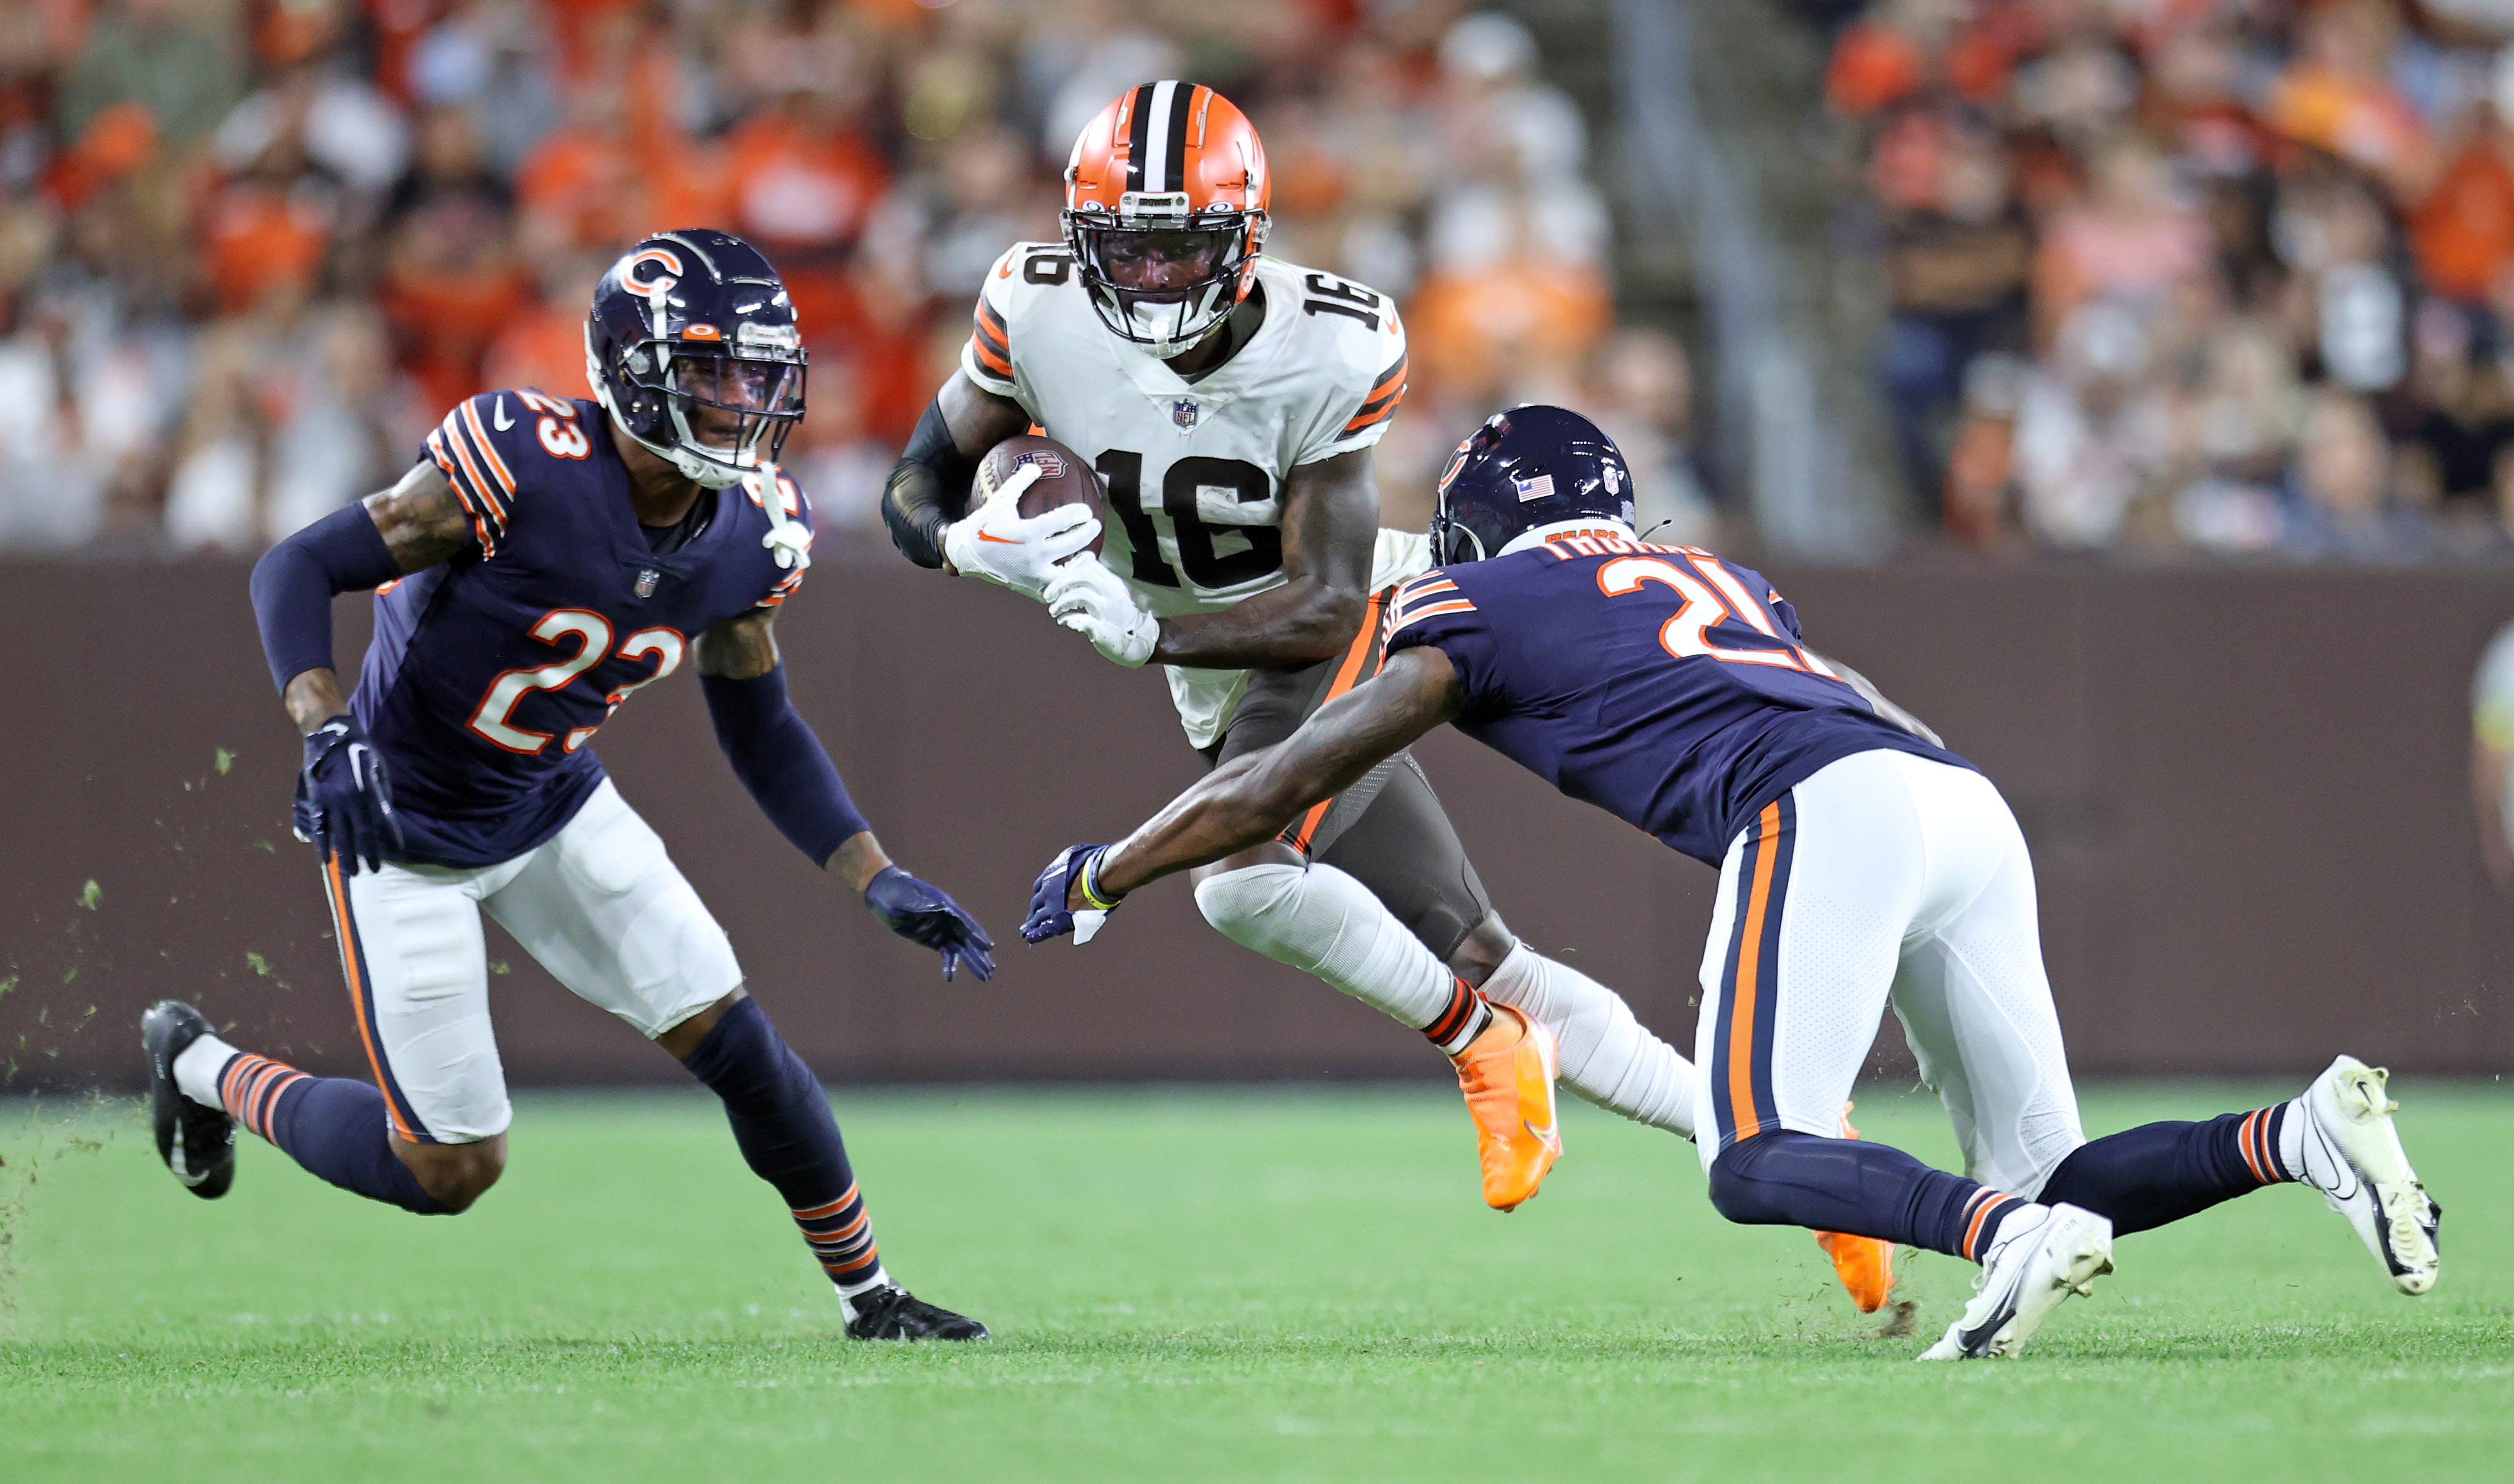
[998,544]
[1086,597]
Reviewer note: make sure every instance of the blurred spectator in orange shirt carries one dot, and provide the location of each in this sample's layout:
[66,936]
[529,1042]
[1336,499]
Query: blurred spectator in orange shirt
[542,347]
[805,182]
[2463,231]
[2338,98]
[453,277]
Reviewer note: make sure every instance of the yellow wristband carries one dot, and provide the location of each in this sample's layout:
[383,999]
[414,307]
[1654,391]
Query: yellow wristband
[1090,889]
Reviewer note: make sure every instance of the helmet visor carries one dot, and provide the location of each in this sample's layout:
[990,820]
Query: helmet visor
[735,404]
[1160,264]
[1165,284]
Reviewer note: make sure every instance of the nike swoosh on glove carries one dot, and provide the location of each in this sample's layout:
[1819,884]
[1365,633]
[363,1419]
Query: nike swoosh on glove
[925,914]
[1049,917]
[344,804]
[1090,599]
[997,543]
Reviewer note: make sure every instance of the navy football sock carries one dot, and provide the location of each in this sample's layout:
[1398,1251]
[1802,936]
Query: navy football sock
[1788,1179]
[334,1126]
[781,1120]
[2162,1172]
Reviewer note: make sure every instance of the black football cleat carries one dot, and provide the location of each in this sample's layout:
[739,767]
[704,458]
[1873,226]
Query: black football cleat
[197,1144]
[895,1314]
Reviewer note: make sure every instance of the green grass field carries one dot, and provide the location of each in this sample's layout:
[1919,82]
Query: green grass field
[1194,1284]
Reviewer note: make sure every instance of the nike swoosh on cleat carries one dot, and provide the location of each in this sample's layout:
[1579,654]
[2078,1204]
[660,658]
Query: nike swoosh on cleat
[499,417]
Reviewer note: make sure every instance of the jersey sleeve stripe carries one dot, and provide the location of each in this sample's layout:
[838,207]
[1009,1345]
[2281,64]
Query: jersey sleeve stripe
[451,457]
[1373,414]
[992,329]
[471,487]
[989,358]
[1409,596]
[1390,380]
[488,451]
[1424,587]
[784,589]
[1454,605]
[993,343]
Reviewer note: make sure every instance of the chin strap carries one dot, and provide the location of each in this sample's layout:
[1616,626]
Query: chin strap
[790,538]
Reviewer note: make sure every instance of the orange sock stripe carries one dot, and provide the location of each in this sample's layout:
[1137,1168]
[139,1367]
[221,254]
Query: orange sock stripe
[270,1099]
[1982,1208]
[242,1062]
[832,1209]
[251,1106]
[250,1086]
[858,1264]
[845,1233]
[2246,1142]
[1452,1019]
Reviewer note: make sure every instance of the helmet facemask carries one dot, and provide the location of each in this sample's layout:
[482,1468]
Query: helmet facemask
[1163,279]
[716,412]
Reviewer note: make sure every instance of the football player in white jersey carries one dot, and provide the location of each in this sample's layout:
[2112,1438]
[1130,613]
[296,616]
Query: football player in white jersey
[1228,402]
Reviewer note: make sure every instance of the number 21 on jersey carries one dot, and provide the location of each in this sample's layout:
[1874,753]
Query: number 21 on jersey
[1707,595]
[591,631]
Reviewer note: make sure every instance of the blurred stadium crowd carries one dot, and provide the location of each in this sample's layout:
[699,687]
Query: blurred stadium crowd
[251,248]
[2231,276]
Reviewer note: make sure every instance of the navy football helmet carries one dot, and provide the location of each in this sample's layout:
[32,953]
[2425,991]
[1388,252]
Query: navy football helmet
[1526,467]
[690,320]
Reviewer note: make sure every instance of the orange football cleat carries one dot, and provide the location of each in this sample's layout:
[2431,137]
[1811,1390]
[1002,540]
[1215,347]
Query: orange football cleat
[1864,1264]
[1510,1090]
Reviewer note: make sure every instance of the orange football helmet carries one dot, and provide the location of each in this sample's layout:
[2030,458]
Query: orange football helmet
[1165,213]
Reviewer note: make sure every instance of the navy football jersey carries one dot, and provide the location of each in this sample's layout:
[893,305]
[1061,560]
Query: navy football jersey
[489,675]
[1659,683]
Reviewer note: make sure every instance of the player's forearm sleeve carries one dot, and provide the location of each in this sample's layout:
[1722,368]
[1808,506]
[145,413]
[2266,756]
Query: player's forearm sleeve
[928,490]
[778,758]
[295,582]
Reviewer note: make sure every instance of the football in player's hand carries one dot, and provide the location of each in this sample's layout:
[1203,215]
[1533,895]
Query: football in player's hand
[1063,478]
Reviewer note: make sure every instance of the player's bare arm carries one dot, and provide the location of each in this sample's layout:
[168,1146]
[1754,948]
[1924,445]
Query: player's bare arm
[929,488]
[1252,798]
[746,649]
[1330,521]
[423,524]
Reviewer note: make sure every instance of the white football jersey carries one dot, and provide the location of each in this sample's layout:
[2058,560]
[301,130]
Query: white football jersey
[1194,470]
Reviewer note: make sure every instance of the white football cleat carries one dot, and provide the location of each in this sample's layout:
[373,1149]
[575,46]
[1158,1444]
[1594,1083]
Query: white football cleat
[2033,1265]
[2353,1156]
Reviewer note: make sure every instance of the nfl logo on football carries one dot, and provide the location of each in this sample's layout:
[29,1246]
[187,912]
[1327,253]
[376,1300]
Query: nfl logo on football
[1183,413]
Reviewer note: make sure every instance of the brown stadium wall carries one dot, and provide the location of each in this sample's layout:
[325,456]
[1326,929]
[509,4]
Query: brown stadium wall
[2246,791]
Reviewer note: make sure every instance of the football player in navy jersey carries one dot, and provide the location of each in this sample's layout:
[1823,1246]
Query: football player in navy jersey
[543,558]
[1860,865]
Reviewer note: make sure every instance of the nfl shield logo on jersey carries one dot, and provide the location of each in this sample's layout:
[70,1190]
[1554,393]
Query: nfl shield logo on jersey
[647,577]
[1183,413]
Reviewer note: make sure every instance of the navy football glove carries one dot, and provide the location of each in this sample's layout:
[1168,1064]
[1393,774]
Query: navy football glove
[344,800]
[924,912]
[1049,916]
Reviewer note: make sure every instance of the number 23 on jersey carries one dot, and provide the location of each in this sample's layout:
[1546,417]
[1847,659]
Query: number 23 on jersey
[591,632]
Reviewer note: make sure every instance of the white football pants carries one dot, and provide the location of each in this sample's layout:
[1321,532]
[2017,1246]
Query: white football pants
[1884,876]
[599,905]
